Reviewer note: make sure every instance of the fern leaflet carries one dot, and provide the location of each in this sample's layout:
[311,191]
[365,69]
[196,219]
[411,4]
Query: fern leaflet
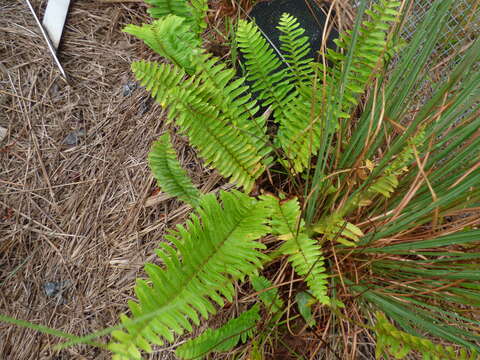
[161,8]
[223,338]
[171,178]
[212,254]
[169,37]
[270,297]
[303,252]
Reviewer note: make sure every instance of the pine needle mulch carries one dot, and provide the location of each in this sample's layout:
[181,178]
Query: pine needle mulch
[79,213]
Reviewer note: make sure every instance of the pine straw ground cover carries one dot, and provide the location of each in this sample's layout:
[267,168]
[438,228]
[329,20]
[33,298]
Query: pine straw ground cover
[84,214]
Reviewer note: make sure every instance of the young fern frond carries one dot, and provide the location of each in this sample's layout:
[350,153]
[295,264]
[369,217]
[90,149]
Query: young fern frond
[394,342]
[271,84]
[368,55]
[222,339]
[171,178]
[303,252]
[270,298]
[295,48]
[335,228]
[169,37]
[231,151]
[211,255]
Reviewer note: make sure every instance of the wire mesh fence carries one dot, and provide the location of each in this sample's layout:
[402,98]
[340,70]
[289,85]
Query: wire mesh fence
[462,27]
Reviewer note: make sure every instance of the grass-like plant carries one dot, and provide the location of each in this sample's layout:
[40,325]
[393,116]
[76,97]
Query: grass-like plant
[370,198]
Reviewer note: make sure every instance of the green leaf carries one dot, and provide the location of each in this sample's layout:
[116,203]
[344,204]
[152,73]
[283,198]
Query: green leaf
[171,178]
[303,252]
[170,37]
[222,339]
[304,304]
[211,256]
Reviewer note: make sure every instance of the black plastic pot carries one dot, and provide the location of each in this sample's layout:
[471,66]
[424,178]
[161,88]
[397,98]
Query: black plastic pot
[311,17]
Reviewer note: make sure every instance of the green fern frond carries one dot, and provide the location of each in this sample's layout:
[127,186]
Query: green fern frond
[303,252]
[170,37]
[171,178]
[158,79]
[231,151]
[161,8]
[222,339]
[270,297]
[391,341]
[295,49]
[287,91]
[212,254]
[335,228]
[368,54]
[234,100]
[199,13]
[271,84]
[299,136]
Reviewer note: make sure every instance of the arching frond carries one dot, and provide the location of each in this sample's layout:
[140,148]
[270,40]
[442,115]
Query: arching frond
[222,339]
[210,256]
[170,37]
[158,79]
[232,151]
[234,100]
[303,252]
[368,55]
[171,178]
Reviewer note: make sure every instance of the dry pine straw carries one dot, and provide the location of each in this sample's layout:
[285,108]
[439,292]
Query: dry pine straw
[76,213]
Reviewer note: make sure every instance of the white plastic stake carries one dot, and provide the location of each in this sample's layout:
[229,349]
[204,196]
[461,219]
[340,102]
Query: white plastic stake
[54,19]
